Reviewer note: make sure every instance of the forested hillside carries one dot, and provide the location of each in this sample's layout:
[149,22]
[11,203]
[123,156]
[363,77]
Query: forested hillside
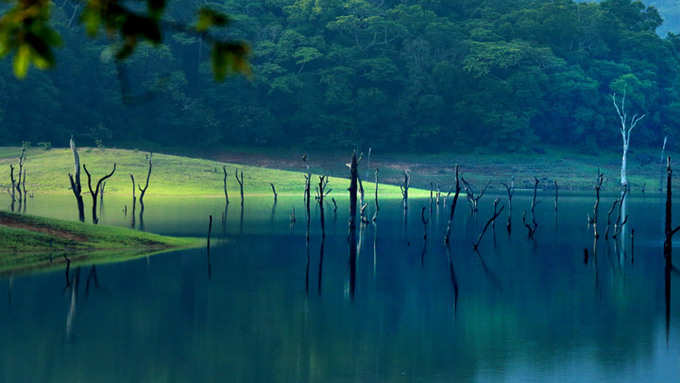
[423,75]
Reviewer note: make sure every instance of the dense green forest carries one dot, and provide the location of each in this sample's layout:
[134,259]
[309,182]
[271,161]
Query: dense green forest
[393,74]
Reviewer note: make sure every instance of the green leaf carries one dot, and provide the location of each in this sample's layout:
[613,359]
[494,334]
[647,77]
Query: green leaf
[208,18]
[229,57]
[4,49]
[22,60]
[91,19]
[219,62]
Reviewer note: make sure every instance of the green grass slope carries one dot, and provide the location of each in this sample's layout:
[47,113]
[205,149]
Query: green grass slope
[171,176]
[30,242]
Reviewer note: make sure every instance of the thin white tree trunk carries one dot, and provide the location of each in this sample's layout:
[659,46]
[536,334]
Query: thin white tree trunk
[624,201]
[627,126]
[624,179]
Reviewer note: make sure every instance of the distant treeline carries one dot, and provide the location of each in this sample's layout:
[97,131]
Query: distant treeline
[398,74]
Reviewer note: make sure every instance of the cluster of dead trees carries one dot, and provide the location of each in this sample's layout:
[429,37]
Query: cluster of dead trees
[97,192]
[240,179]
[473,198]
[614,226]
[17,188]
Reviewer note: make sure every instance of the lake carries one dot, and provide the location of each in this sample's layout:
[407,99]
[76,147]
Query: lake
[265,307]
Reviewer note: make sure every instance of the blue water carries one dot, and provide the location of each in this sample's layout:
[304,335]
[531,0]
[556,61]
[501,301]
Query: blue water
[263,308]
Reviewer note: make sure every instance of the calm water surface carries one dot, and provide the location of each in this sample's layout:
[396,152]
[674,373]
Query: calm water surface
[265,307]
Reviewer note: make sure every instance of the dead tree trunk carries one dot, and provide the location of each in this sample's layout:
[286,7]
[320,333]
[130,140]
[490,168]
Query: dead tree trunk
[404,188]
[21,173]
[323,182]
[662,163]
[276,195]
[308,214]
[142,191]
[510,190]
[669,231]
[627,126]
[619,224]
[240,181]
[377,206]
[354,165]
[596,207]
[308,179]
[363,218]
[23,187]
[531,225]
[75,181]
[307,193]
[472,199]
[668,243]
[134,198]
[361,191]
[609,218]
[13,187]
[94,192]
[491,221]
[495,209]
[226,193]
[449,226]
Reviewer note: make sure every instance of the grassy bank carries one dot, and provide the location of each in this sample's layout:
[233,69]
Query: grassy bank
[171,176]
[175,175]
[30,242]
[572,170]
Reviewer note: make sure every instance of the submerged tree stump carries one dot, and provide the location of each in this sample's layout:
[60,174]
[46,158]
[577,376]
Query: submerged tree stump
[510,190]
[473,199]
[531,225]
[491,221]
[240,181]
[276,195]
[322,193]
[449,226]
[377,206]
[668,230]
[404,188]
[352,237]
[596,208]
[13,186]
[226,193]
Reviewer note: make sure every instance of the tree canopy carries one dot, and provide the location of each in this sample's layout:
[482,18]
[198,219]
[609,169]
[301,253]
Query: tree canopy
[417,74]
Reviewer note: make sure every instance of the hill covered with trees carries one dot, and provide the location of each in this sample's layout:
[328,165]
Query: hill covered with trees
[407,74]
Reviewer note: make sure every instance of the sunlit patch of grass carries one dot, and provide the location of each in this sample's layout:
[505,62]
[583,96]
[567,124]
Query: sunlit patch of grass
[171,175]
